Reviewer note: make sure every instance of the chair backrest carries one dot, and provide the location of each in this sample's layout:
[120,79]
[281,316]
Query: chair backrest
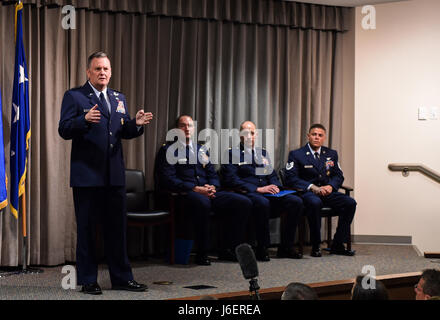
[135,188]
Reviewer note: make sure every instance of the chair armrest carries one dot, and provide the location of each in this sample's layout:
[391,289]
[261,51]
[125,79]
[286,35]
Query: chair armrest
[347,189]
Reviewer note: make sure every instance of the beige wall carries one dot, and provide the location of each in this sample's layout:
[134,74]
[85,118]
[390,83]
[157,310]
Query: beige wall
[346,151]
[397,70]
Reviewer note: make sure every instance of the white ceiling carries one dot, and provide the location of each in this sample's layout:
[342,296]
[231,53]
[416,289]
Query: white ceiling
[346,3]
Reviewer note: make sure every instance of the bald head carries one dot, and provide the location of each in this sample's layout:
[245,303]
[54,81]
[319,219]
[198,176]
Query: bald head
[247,124]
[248,133]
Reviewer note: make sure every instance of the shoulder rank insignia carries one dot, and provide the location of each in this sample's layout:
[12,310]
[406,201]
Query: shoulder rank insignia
[290,165]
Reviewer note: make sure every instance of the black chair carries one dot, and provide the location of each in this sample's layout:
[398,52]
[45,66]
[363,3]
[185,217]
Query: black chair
[326,212]
[140,212]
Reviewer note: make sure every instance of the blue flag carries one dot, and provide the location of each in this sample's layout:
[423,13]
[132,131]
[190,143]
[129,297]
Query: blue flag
[3,178]
[20,124]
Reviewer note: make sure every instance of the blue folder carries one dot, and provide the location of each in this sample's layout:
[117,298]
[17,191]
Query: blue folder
[280,194]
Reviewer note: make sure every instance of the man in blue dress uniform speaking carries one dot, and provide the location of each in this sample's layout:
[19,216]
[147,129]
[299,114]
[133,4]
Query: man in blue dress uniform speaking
[96,118]
[315,170]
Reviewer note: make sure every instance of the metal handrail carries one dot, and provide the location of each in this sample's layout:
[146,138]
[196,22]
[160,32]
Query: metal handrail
[407,167]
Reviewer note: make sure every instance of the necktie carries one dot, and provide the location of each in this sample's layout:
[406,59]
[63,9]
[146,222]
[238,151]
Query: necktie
[104,102]
[317,156]
[190,155]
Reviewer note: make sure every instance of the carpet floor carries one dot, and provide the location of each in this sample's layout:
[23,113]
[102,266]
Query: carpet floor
[223,276]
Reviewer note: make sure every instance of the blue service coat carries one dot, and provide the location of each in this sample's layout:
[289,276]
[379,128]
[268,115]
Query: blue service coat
[96,158]
[242,174]
[302,169]
[188,172]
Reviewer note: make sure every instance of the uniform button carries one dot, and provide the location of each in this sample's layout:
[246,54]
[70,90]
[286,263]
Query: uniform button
[111,133]
[320,176]
[111,145]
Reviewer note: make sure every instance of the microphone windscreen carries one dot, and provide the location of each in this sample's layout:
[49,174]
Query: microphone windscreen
[246,259]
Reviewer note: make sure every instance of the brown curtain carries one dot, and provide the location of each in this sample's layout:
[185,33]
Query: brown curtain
[277,68]
[270,12]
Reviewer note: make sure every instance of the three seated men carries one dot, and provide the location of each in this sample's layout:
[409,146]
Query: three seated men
[184,166]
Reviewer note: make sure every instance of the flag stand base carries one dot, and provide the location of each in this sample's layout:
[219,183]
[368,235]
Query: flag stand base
[4,274]
[10,271]
[30,270]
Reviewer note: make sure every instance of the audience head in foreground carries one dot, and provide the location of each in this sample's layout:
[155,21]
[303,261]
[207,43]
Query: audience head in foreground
[368,288]
[428,287]
[299,291]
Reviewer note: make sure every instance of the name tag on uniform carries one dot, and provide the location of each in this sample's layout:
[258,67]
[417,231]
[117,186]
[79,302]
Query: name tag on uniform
[242,163]
[308,166]
[181,161]
[86,110]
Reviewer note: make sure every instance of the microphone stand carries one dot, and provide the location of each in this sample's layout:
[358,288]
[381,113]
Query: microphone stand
[253,288]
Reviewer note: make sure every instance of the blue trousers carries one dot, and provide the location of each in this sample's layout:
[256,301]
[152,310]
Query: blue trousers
[233,208]
[265,207]
[106,206]
[343,204]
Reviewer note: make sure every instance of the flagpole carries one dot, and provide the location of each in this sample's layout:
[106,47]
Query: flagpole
[23,210]
[25,268]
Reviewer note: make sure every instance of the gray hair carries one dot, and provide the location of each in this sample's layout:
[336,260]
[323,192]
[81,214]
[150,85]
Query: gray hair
[99,54]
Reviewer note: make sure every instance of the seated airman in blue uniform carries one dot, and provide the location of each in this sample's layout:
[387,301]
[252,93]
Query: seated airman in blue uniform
[315,170]
[243,172]
[184,166]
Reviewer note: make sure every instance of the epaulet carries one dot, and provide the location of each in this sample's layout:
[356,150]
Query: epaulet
[116,92]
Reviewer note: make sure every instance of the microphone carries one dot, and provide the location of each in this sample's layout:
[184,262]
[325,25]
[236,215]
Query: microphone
[248,263]
[246,259]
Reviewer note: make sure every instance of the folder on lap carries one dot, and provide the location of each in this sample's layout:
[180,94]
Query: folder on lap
[280,194]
